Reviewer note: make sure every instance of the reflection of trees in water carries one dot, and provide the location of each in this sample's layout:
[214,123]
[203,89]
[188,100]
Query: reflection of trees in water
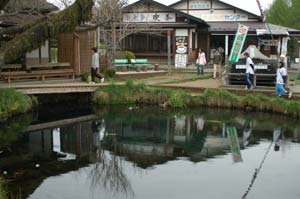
[108,172]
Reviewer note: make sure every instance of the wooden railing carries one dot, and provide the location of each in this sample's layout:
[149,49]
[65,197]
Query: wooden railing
[240,79]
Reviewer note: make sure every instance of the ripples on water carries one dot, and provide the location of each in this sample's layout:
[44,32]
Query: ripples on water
[149,153]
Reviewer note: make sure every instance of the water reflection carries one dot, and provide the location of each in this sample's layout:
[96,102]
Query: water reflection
[144,139]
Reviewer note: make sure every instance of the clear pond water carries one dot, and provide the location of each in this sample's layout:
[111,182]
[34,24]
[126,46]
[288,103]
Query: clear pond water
[151,153]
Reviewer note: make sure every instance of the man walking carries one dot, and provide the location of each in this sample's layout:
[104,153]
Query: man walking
[95,66]
[249,72]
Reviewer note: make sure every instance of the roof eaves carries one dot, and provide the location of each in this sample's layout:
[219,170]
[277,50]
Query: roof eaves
[171,9]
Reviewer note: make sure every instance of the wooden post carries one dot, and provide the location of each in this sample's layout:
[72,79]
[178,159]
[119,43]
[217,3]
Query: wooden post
[226,48]
[76,53]
[169,50]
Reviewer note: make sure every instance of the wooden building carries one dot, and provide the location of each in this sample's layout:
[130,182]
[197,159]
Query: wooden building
[206,24]
[160,20]
[75,48]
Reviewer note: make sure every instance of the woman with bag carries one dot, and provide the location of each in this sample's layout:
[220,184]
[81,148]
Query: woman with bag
[201,62]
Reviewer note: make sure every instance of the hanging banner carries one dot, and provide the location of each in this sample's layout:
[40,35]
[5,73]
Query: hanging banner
[238,43]
[234,144]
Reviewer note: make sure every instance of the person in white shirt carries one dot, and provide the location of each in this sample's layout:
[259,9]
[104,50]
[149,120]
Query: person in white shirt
[249,71]
[280,80]
[283,73]
[95,66]
[201,62]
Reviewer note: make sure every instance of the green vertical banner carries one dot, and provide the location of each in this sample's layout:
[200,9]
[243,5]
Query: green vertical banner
[234,144]
[238,43]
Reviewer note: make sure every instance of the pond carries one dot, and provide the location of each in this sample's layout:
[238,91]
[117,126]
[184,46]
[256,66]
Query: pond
[150,153]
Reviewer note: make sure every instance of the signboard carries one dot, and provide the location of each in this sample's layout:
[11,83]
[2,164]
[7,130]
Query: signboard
[224,17]
[238,43]
[181,44]
[267,42]
[180,60]
[234,144]
[199,4]
[257,67]
[284,44]
[149,17]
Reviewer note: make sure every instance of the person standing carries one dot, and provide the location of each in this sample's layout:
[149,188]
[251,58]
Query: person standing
[201,62]
[249,71]
[95,66]
[280,79]
[217,64]
[283,73]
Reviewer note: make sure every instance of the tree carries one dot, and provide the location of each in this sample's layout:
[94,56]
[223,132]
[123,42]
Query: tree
[3,4]
[285,13]
[37,33]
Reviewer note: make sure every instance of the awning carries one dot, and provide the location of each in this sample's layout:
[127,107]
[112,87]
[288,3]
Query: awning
[257,28]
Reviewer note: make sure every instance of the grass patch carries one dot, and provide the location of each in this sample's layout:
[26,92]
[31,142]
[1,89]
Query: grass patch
[13,102]
[3,192]
[131,93]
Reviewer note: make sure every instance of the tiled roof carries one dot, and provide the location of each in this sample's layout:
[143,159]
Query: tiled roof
[19,19]
[23,5]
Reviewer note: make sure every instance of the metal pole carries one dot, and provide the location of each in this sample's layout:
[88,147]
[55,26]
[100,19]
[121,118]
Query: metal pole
[299,57]
[226,48]
[169,50]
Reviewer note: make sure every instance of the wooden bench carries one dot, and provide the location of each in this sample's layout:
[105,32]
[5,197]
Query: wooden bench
[10,67]
[240,79]
[39,74]
[140,62]
[121,63]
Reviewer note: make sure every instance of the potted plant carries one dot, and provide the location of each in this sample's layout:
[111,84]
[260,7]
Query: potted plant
[156,67]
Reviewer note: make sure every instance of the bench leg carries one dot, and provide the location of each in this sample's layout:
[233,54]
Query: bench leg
[43,77]
[8,80]
[73,76]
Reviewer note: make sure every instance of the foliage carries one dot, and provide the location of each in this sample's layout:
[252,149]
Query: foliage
[41,30]
[109,72]
[3,193]
[13,102]
[129,55]
[85,77]
[176,101]
[131,93]
[10,130]
[285,13]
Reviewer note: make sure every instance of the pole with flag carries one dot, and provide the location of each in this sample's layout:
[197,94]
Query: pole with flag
[238,43]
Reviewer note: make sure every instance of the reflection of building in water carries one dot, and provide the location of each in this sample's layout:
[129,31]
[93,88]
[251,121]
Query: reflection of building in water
[169,138]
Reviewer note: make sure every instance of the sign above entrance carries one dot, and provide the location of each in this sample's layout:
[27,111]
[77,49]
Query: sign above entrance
[224,17]
[149,17]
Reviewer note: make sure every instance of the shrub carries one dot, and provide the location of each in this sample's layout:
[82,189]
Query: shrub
[3,193]
[13,102]
[85,77]
[176,101]
[129,55]
[109,72]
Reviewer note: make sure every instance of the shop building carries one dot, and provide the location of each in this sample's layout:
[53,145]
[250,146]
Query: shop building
[206,24]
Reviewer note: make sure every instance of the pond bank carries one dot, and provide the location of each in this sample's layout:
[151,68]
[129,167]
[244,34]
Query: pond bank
[131,93]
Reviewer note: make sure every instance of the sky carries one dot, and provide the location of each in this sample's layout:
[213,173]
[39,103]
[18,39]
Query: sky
[249,5]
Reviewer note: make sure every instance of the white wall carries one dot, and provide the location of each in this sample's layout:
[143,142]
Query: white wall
[35,53]
[181,32]
[218,12]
